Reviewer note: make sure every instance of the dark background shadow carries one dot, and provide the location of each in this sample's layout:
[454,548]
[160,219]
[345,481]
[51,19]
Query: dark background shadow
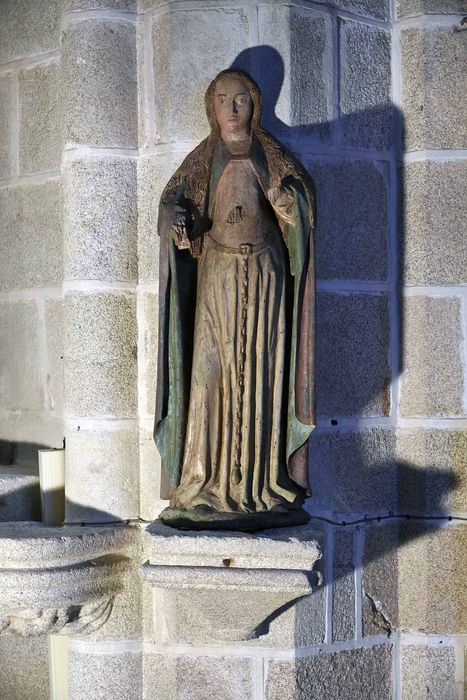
[345,354]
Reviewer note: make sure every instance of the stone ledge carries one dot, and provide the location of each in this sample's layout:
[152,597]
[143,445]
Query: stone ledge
[291,548]
[32,545]
[63,578]
[213,578]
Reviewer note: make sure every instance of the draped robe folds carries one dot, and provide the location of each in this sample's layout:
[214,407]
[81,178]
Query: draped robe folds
[196,436]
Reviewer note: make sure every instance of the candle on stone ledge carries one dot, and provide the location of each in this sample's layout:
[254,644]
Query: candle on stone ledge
[52,485]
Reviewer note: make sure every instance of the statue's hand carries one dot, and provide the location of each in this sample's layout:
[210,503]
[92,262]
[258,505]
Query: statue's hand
[179,229]
[282,200]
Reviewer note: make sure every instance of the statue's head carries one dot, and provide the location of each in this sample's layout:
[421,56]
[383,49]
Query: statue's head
[233,102]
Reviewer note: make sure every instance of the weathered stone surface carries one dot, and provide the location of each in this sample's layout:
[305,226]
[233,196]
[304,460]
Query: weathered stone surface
[31,235]
[19,493]
[380,604]
[229,607]
[125,620]
[428,672]
[65,579]
[435,470]
[180,83]
[281,549]
[6,124]
[301,624]
[392,554]
[24,673]
[99,62]
[30,546]
[432,87]
[20,380]
[101,354]
[311,73]
[100,219]
[197,677]
[153,174]
[352,232]
[142,65]
[32,426]
[343,587]
[54,334]
[40,125]
[72,5]
[433,223]
[378,9]
[352,355]
[415,7]
[221,587]
[29,28]
[297,49]
[365,84]
[150,314]
[105,676]
[149,471]
[102,475]
[437,555]
[431,378]
[7,453]
[367,8]
[25,454]
[361,673]
[341,461]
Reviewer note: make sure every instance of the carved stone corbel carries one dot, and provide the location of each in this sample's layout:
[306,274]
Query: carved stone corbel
[61,579]
[230,582]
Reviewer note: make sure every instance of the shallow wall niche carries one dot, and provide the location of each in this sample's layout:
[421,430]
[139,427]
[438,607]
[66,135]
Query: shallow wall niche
[391,394]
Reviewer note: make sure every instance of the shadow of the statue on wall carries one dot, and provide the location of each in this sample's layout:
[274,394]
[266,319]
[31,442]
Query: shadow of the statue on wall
[20,496]
[362,474]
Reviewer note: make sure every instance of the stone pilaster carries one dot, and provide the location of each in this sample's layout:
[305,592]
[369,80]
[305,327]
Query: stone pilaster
[31,249]
[429,46]
[100,263]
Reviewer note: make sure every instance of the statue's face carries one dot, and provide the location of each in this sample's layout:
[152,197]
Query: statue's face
[233,107]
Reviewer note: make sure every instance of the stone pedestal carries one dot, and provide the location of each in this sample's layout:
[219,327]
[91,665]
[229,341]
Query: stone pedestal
[233,584]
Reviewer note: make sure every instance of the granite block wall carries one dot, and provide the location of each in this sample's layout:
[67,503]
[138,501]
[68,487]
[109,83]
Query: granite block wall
[31,248]
[31,274]
[100,100]
[340,90]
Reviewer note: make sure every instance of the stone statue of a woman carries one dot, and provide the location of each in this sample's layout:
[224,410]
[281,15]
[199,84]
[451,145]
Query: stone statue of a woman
[235,403]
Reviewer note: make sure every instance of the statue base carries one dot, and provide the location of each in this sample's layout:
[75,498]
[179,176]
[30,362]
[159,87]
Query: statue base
[205,518]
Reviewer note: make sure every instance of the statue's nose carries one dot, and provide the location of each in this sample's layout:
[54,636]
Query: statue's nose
[234,107]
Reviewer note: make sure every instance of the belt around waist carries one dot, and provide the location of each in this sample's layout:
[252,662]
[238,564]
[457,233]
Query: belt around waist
[244,249]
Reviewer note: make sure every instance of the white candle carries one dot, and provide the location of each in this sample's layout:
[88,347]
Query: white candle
[58,667]
[52,484]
